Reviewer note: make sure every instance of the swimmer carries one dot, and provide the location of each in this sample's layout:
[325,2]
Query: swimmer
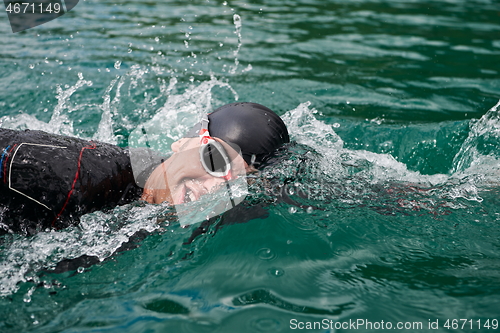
[48,181]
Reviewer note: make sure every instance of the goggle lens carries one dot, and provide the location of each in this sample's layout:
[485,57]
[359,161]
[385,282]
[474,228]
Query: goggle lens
[214,159]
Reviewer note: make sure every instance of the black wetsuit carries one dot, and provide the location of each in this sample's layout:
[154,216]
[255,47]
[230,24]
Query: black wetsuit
[49,181]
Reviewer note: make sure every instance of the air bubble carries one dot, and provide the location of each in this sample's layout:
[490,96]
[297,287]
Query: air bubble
[266,254]
[276,272]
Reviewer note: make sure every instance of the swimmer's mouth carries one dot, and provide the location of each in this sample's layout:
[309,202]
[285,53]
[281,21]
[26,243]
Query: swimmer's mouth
[187,195]
[184,196]
[190,192]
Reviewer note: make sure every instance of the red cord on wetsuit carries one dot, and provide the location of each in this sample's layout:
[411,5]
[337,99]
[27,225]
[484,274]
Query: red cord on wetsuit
[77,174]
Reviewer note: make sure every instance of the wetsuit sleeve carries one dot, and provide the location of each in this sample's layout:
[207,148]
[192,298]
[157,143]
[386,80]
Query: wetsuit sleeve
[49,181]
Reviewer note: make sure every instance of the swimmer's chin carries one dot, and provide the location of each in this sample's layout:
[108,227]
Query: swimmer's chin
[156,197]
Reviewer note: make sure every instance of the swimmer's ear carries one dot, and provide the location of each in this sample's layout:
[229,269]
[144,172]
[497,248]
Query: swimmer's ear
[176,146]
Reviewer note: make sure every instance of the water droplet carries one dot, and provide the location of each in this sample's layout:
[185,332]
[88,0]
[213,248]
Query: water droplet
[237,21]
[157,39]
[80,270]
[224,3]
[309,210]
[292,210]
[248,69]
[32,66]
[27,297]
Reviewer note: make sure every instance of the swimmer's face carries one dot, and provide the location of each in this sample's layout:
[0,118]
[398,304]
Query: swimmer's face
[182,178]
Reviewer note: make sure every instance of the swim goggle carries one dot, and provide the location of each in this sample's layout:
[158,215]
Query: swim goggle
[213,156]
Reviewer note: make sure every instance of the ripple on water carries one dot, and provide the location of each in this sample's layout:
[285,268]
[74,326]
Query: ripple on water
[266,254]
[264,324]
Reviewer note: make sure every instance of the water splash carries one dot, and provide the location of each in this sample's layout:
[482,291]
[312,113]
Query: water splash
[483,141]
[306,129]
[59,122]
[337,160]
[179,113]
[105,129]
[323,173]
[237,25]
[100,234]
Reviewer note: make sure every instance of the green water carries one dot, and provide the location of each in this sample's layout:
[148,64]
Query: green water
[388,104]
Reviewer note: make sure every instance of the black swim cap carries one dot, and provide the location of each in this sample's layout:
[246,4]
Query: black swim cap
[257,130]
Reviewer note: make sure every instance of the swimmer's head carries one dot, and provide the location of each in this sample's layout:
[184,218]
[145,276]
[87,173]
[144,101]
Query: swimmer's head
[254,128]
[256,131]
